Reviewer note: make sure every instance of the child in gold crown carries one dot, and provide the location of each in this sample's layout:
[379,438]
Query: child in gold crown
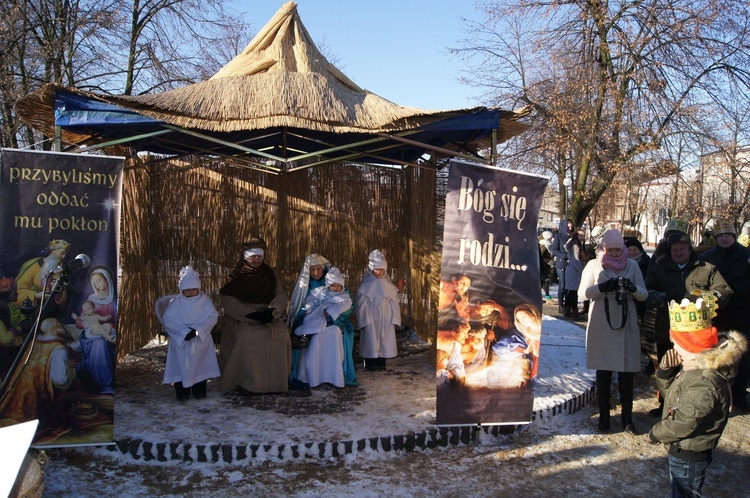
[694,379]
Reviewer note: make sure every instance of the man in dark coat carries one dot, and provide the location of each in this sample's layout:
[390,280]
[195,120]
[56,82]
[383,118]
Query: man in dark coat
[561,259]
[733,261]
[674,277]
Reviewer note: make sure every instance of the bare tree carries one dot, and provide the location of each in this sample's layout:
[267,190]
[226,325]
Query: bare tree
[41,40]
[111,46]
[725,169]
[610,80]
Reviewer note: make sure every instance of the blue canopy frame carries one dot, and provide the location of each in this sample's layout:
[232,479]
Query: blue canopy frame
[281,149]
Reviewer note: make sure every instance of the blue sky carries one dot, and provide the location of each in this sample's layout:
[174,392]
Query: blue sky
[396,49]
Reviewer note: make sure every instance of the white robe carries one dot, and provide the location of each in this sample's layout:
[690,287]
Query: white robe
[378,313]
[191,361]
[322,361]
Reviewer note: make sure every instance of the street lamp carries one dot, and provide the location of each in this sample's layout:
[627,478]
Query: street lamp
[568,183]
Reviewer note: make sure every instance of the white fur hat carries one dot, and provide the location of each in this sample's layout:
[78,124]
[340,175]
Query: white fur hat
[189,279]
[377,260]
[334,276]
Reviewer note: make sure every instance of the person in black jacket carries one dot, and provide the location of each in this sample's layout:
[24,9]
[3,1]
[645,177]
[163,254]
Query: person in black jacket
[733,261]
[674,277]
[638,254]
[561,259]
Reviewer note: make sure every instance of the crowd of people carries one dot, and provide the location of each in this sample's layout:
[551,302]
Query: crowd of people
[693,299]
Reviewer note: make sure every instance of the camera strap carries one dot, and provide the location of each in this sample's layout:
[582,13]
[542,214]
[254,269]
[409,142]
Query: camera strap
[624,313]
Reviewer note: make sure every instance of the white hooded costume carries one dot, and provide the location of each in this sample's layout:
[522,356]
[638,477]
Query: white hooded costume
[191,361]
[378,312]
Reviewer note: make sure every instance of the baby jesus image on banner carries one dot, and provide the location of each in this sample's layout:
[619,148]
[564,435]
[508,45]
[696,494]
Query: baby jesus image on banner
[489,312]
[59,221]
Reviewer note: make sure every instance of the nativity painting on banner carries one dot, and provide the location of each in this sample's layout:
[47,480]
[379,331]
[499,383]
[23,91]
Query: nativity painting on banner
[489,311]
[59,239]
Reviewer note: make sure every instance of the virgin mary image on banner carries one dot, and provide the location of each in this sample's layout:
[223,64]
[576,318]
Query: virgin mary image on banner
[489,311]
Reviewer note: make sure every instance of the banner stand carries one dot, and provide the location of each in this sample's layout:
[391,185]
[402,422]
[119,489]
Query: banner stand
[489,322]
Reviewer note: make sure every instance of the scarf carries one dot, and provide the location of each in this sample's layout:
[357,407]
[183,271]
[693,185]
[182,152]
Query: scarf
[251,285]
[616,264]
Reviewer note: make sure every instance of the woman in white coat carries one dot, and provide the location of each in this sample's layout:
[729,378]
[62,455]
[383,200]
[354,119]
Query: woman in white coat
[613,341]
[189,320]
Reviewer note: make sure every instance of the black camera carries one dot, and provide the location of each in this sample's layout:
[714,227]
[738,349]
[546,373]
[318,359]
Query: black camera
[621,295]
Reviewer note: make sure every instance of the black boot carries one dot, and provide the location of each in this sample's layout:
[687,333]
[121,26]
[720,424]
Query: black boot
[199,389]
[571,302]
[183,393]
[625,380]
[603,381]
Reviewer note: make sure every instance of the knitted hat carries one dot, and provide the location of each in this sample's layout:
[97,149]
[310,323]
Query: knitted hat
[676,225]
[547,235]
[334,276]
[634,243]
[189,279]
[612,238]
[724,226]
[377,261]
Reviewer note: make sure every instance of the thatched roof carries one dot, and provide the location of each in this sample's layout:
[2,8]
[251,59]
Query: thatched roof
[279,81]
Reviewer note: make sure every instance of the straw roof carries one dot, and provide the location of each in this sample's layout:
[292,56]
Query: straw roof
[280,80]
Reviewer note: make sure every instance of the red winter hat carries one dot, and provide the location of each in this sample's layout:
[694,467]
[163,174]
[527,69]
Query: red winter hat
[695,341]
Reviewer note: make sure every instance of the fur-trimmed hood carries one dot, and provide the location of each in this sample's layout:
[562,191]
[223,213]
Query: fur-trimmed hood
[725,357]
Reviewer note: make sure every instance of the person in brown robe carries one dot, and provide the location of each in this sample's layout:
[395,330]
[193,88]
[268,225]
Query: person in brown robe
[255,353]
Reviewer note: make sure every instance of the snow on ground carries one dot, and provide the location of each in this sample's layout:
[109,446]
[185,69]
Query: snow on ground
[564,455]
[399,401]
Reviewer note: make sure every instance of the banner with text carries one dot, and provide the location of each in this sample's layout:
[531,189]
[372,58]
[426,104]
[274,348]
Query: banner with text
[489,318]
[55,206]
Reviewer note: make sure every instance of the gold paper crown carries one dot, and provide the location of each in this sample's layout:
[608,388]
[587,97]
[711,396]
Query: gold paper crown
[724,226]
[689,316]
[676,225]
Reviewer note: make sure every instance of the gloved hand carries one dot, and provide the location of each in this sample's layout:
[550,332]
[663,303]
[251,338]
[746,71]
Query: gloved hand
[191,335]
[670,359]
[263,316]
[656,299]
[608,286]
[629,285]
